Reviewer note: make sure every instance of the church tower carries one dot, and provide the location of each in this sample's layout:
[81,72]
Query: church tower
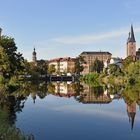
[131,111]
[34,58]
[131,44]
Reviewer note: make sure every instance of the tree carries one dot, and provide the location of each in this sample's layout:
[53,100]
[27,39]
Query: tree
[42,67]
[128,60]
[51,69]
[115,70]
[138,54]
[97,66]
[14,59]
[79,65]
[4,63]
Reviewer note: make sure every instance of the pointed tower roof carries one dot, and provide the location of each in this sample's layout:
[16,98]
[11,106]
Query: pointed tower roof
[131,37]
[132,119]
[131,112]
[34,52]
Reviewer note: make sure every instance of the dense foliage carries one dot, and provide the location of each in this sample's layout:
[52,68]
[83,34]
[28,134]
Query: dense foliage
[97,66]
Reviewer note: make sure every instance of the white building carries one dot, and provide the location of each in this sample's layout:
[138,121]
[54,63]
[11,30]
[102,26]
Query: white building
[63,65]
[114,60]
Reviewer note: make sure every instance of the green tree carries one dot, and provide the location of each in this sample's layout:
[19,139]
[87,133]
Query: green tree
[4,63]
[115,70]
[14,59]
[51,69]
[97,66]
[79,65]
[42,67]
[128,60]
[133,72]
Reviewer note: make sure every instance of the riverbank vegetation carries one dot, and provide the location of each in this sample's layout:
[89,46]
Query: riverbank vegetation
[128,74]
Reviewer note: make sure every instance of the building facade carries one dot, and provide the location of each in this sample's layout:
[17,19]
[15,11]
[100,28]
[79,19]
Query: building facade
[63,65]
[90,57]
[115,61]
[63,89]
[131,44]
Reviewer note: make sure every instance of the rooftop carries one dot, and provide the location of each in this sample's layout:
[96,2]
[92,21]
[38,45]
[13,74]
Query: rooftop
[96,53]
[62,59]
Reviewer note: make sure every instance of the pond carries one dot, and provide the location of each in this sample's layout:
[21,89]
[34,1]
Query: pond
[75,111]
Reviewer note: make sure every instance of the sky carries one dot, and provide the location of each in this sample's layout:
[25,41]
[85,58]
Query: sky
[65,28]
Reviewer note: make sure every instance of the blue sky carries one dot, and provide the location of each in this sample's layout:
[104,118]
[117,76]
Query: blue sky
[59,28]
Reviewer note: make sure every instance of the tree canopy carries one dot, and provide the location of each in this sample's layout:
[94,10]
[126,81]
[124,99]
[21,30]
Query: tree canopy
[14,62]
[97,66]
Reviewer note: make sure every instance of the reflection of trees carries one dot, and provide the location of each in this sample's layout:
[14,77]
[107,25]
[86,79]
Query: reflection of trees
[78,88]
[12,103]
[9,106]
[93,95]
[98,91]
[33,89]
[51,88]
[112,89]
[131,94]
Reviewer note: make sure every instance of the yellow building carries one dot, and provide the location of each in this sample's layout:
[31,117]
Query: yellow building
[63,65]
[63,89]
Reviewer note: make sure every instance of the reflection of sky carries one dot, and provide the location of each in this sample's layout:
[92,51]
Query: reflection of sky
[62,118]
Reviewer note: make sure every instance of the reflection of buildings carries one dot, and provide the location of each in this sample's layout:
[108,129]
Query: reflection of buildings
[95,95]
[90,57]
[131,111]
[64,89]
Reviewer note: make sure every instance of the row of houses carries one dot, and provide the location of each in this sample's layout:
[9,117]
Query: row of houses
[67,65]
[63,65]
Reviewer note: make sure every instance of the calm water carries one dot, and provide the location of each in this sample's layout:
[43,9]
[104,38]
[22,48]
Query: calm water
[80,112]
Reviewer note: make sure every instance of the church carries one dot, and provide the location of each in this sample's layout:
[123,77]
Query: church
[131,46]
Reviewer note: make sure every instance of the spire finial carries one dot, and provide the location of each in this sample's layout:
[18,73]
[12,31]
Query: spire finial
[34,48]
[131,37]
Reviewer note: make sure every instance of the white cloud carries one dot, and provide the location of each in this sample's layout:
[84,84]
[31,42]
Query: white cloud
[92,38]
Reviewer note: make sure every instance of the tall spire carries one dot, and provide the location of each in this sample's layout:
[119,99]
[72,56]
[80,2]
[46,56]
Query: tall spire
[34,58]
[132,119]
[131,111]
[131,37]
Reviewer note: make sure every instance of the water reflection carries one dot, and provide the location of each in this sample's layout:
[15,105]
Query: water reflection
[131,111]
[13,103]
[87,94]
[9,107]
